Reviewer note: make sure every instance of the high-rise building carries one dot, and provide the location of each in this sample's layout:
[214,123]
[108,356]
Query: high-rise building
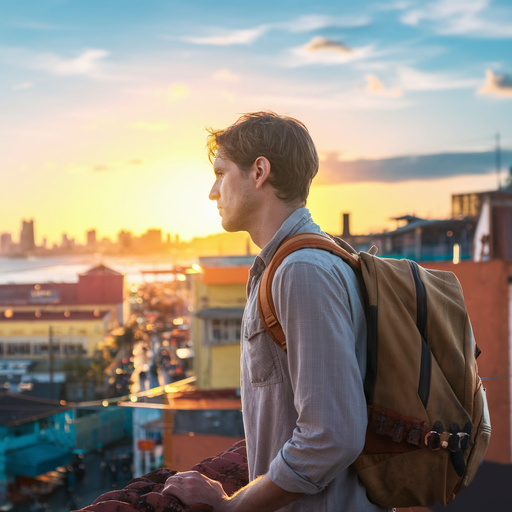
[151,240]
[27,242]
[91,238]
[5,243]
[124,240]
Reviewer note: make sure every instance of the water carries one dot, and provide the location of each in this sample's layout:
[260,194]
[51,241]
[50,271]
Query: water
[65,268]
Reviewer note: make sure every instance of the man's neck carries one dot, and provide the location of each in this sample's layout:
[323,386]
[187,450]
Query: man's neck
[269,222]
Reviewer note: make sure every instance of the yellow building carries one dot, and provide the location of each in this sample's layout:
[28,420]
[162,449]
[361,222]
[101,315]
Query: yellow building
[23,334]
[219,297]
[72,317]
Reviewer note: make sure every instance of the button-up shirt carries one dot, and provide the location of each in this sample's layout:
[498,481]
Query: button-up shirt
[304,411]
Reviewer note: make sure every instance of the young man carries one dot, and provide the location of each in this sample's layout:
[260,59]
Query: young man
[304,411]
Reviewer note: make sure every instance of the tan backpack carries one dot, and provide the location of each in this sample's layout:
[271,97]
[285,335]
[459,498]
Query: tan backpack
[428,421]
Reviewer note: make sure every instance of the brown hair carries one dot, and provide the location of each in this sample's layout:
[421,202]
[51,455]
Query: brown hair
[284,141]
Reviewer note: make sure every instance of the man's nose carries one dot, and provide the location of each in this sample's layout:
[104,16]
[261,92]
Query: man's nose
[214,193]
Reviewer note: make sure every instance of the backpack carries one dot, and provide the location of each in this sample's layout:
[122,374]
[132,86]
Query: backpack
[428,420]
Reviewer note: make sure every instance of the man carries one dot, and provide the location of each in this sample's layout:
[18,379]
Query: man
[304,411]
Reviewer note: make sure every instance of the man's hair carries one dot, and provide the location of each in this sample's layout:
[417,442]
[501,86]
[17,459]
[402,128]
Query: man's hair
[284,141]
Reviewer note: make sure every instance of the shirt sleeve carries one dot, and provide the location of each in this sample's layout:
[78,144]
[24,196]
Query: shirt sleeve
[314,309]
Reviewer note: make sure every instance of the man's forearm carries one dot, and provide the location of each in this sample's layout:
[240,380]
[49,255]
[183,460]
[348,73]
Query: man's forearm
[261,495]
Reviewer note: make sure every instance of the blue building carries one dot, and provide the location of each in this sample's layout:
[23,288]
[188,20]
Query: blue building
[36,436]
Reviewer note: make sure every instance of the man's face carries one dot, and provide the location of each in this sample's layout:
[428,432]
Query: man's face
[234,195]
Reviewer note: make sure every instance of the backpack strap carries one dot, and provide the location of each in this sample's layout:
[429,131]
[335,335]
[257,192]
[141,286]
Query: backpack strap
[266,306]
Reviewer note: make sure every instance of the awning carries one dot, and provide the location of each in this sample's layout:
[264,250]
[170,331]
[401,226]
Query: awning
[221,313]
[36,459]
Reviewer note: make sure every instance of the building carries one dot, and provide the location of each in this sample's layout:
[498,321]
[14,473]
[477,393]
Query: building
[35,437]
[178,425]
[91,238]
[5,243]
[219,297]
[151,241]
[427,239]
[71,317]
[27,241]
[492,214]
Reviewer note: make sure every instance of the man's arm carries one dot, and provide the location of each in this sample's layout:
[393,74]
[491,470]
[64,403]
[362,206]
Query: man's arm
[317,304]
[261,495]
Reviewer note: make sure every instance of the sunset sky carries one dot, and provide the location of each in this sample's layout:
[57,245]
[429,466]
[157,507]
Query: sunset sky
[104,105]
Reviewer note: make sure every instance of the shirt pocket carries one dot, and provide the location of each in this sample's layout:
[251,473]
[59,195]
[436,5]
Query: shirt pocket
[261,355]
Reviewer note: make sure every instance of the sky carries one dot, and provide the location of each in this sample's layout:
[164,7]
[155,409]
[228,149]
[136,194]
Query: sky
[104,106]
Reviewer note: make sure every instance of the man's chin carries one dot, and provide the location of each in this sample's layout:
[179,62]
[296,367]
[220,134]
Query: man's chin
[230,227]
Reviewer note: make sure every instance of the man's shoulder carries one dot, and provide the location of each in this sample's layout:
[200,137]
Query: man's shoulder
[315,269]
[313,260]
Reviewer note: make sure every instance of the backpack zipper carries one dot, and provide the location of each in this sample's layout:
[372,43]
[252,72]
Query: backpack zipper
[421,323]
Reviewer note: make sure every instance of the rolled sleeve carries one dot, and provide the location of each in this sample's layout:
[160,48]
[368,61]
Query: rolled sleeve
[316,314]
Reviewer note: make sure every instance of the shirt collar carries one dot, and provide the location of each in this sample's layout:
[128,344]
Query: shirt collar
[290,226]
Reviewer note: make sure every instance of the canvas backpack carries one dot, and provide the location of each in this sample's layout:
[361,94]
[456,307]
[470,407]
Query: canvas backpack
[428,420]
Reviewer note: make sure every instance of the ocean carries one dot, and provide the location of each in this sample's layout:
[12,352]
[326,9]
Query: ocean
[66,268]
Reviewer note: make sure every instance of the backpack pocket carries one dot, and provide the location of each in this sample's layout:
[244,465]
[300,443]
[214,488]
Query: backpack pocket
[481,439]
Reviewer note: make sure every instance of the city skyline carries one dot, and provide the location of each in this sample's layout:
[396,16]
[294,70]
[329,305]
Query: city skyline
[105,106]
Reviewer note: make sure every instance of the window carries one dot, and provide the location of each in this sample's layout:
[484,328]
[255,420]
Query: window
[18,349]
[41,349]
[73,349]
[223,331]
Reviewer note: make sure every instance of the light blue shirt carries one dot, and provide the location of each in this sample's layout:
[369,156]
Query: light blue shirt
[305,411]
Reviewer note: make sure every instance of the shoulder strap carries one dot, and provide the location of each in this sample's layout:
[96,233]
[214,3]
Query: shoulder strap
[266,306]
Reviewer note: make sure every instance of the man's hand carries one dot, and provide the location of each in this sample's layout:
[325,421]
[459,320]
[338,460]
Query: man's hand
[192,487]
[261,495]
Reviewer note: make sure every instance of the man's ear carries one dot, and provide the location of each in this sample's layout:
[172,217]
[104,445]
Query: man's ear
[261,171]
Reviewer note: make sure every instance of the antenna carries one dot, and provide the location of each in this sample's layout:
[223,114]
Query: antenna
[498,159]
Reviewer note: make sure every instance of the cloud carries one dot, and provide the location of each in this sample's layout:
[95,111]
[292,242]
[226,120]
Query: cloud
[320,50]
[376,87]
[411,79]
[152,127]
[87,63]
[318,44]
[496,85]
[23,86]
[231,37]
[461,17]
[405,168]
[306,23]
[177,92]
[225,75]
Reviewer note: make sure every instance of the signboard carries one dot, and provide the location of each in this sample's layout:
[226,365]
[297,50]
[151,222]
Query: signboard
[44,296]
[145,445]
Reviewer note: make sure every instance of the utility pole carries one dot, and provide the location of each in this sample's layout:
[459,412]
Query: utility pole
[498,159]
[50,360]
